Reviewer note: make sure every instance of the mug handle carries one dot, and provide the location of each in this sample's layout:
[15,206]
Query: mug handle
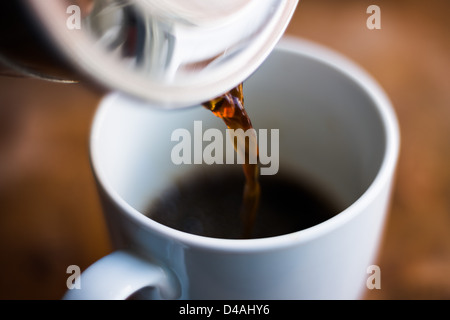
[119,276]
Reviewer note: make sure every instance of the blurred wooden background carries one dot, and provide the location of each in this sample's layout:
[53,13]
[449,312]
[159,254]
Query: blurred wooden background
[50,216]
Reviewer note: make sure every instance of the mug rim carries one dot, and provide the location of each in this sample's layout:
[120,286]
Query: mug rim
[323,55]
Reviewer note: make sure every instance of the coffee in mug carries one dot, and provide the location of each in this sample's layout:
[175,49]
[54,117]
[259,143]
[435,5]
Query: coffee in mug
[207,202]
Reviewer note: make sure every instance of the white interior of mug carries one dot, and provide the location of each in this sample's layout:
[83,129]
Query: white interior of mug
[336,127]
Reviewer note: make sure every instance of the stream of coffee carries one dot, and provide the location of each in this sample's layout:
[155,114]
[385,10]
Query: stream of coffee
[230,108]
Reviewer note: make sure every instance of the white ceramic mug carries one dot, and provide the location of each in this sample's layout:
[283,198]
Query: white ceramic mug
[336,126]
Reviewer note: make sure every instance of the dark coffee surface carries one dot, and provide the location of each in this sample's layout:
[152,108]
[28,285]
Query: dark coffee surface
[209,204]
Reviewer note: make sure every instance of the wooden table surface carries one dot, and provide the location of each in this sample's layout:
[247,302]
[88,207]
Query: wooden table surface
[50,215]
